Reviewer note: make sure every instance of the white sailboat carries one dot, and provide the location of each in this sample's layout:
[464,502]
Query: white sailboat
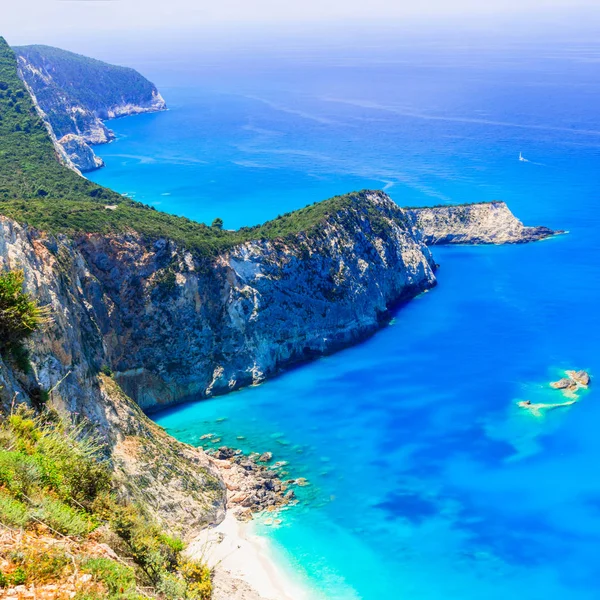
[522,158]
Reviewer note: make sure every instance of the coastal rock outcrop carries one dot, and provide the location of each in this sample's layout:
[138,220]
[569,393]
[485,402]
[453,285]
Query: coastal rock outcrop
[573,381]
[564,384]
[79,153]
[484,223]
[177,327]
[250,487]
[75,94]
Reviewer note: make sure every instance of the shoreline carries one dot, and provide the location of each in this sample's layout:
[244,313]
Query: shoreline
[244,565]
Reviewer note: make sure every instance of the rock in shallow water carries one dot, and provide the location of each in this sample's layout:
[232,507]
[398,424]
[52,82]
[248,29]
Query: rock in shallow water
[564,384]
[581,377]
[251,487]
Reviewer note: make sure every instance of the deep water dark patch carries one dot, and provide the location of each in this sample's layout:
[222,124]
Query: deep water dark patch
[407,505]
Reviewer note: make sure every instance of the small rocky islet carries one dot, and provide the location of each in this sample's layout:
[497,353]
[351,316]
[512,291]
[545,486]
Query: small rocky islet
[574,381]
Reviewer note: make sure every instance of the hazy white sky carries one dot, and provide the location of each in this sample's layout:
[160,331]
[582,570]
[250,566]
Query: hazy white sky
[29,20]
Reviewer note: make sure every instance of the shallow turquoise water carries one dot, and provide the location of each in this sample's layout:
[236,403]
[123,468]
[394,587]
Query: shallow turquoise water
[426,481]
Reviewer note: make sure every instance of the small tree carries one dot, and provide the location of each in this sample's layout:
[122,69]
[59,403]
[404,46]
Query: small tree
[20,316]
[217,223]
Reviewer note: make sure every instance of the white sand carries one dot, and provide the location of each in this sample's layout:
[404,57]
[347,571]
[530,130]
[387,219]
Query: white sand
[232,547]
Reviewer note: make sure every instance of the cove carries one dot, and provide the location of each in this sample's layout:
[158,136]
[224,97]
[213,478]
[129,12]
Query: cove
[426,480]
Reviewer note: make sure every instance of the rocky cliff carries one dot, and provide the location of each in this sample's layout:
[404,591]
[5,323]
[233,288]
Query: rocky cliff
[485,223]
[75,94]
[79,153]
[174,326]
[174,481]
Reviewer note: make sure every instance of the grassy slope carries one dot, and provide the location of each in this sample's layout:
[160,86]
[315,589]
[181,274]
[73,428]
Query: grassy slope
[57,502]
[36,189]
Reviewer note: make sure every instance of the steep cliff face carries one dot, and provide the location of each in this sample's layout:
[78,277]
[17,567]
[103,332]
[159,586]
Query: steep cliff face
[175,327]
[487,223]
[66,357]
[76,94]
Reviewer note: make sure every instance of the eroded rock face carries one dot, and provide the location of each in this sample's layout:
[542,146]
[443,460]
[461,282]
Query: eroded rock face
[80,154]
[487,223]
[175,327]
[175,482]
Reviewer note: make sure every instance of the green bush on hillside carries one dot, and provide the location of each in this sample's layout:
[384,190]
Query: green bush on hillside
[20,316]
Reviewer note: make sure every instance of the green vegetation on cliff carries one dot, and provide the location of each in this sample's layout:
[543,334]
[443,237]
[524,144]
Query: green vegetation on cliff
[56,497]
[20,316]
[36,189]
[28,163]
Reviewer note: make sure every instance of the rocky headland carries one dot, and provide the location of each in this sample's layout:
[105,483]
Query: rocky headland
[76,94]
[484,223]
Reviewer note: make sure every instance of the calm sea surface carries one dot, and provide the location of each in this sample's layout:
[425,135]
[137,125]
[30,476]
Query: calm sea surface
[427,483]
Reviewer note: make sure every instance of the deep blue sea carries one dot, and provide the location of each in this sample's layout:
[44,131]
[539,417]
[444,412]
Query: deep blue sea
[427,482]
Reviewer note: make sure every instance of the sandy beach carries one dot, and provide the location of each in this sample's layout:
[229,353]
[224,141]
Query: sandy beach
[244,567]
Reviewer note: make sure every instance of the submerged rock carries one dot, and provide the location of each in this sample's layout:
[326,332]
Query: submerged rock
[537,408]
[265,457]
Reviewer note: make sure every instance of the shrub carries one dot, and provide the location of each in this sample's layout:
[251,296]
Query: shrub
[18,576]
[117,578]
[38,565]
[12,512]
[20,316]
[154,552]
[63,518]
[198,578]
[19,473]
[72,464]
[172,585]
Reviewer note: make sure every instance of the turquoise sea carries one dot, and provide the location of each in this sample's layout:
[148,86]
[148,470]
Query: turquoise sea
[427,483]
